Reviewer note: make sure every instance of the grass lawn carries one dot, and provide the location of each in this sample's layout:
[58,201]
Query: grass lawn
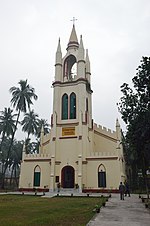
[23,210]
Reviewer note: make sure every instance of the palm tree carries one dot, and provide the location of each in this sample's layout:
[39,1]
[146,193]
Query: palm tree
[21,100]
[5,147]
[30,123]
[34,146]
[42,123]
[15,160]
[31,147]
[7,124]
[22,97]
[7,127]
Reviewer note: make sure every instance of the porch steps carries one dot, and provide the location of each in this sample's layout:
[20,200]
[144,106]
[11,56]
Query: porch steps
[69,190]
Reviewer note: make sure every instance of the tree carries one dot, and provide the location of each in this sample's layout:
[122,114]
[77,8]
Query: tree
[134,107]
[42,123]
[5,147]
[21,100]
[34,146]
[33,125]
[30,123]
[15,160]
[7,124]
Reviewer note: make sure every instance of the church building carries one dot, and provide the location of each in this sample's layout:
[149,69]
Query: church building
[77,153]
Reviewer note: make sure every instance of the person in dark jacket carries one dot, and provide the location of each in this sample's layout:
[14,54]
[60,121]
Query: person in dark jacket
[127,189]
[121,190]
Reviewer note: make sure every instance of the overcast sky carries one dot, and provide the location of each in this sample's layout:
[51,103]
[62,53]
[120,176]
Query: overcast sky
[115,32]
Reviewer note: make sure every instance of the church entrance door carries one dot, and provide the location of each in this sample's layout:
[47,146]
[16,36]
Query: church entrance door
[67,175]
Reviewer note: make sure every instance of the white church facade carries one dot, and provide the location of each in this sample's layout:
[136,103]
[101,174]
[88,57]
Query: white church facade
[77,152]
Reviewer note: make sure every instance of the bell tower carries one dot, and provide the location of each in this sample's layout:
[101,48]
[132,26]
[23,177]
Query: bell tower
[72,85]
[72,109]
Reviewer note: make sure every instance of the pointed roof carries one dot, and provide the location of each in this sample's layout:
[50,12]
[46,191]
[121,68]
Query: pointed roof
[88,68]
[117,123]
[59,46]
[58,57]
[81,50]
[87,56]
[73,40]
[81,42]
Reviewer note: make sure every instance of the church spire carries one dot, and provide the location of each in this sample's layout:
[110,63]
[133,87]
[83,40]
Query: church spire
[81,50]
[88,68]
[58,62]
[59,47]
[73,40]
[58,53]
[118,129]
[41,139]
[81,60]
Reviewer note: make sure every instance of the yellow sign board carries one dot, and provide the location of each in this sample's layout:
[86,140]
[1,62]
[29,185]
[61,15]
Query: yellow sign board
[68,131]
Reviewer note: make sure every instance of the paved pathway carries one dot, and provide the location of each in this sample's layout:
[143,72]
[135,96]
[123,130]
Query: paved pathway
[128,212]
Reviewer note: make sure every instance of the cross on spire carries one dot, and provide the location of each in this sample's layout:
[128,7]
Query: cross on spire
[73,20]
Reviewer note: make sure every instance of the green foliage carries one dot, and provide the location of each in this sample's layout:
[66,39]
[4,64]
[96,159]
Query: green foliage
[14,160]
[134,107]
[22,96]
[42,123]
[30,123]
[7,122]
[10,149]
[21,100]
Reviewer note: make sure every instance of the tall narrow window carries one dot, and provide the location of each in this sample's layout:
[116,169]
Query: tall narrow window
[87,107]
[72,106]
[37,175]
[101,176]
[65,106]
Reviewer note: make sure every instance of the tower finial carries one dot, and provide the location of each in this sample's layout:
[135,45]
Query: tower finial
[73,20]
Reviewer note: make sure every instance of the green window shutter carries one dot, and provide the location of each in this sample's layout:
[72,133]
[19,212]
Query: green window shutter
[37,179]
[65,106]
[72,106]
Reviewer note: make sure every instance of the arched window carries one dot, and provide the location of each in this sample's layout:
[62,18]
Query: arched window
[65,106]
[101,176]
[72,106]
[70,67]
[37,176]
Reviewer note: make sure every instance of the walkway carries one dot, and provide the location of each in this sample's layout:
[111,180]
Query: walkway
[128,212]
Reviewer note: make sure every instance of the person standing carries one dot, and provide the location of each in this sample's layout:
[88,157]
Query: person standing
[127,189]
[121,190]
